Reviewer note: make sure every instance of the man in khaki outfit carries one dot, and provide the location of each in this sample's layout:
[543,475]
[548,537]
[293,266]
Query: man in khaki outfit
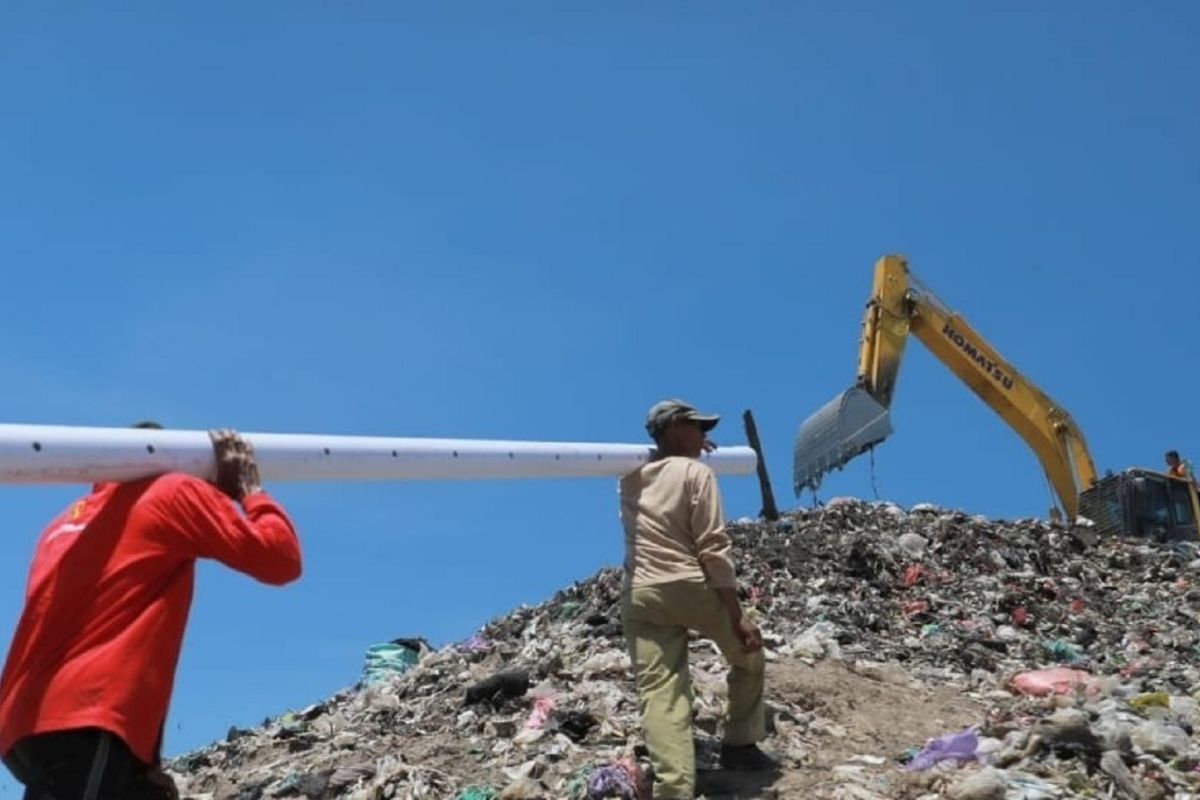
[679,576]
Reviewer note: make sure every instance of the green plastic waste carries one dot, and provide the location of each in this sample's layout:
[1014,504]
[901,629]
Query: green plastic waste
[1063,652]
[387,661]
[477,793]
[577,786]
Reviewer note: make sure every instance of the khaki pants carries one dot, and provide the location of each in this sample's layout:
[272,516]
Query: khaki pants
[657,619]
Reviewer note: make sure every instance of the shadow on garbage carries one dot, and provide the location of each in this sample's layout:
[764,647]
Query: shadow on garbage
[722,784]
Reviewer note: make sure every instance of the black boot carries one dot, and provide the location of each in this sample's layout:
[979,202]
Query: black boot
[747,758]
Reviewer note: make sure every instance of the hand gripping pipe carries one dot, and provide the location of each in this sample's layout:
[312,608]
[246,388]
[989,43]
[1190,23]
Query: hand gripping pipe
[64,454]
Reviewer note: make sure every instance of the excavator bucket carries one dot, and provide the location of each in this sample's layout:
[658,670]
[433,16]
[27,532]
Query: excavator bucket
[847,425]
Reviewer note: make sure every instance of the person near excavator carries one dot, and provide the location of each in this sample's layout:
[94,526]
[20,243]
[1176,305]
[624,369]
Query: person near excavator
[87,682]
[679,576]
[1178,467]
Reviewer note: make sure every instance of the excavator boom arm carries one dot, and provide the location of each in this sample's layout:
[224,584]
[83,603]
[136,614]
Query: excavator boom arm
[897,309]
[886,326]
[1045,426]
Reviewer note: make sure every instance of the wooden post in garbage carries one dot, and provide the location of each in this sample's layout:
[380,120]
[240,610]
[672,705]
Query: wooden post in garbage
[769,511]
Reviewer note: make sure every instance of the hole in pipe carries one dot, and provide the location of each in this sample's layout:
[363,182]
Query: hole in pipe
[37,446]
[326,451]
[149,448]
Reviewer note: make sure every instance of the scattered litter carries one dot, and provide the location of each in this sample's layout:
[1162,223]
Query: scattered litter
[476,644]
[818,641]
[542,709]
[1081,652]
[1052,681]
[961,747]
[987,784]
[497,688]
[623,779]
[390,660]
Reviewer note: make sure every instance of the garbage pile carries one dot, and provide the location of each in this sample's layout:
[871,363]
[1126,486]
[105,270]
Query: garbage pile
[939,588]
[1078,655]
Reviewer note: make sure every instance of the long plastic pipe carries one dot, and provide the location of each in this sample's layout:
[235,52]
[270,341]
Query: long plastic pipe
[64,454]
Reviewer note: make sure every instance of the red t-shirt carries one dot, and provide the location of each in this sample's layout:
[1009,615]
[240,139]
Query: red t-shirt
[108,599]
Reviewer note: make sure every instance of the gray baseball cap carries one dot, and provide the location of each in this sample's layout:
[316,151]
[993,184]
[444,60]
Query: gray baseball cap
[661,414]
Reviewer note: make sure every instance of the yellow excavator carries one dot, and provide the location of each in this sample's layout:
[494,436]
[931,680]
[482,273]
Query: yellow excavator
[1137,502]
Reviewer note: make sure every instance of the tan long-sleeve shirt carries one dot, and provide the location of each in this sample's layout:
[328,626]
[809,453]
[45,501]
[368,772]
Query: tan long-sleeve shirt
[674,525]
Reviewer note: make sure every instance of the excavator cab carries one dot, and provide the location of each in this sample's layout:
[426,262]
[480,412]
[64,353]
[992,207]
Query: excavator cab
[1142,503]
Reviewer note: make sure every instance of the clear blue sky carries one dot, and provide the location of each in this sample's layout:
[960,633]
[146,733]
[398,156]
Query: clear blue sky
[534,220]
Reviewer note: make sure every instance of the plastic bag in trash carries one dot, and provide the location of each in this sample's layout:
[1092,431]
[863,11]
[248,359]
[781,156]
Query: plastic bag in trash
[388,660]
[1059,680]
[622,779]
[962,747]
[818,641]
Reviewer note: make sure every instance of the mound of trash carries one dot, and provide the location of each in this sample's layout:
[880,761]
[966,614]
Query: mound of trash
[1060,665]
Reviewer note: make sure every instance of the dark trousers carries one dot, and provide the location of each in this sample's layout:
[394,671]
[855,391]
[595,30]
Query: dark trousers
[79,764]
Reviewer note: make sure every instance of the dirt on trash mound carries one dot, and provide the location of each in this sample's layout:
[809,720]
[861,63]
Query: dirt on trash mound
[893,640]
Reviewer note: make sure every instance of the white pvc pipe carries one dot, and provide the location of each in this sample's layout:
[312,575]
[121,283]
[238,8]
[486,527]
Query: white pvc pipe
[64,454]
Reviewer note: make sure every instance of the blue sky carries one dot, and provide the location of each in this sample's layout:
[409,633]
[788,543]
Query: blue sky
[532,221]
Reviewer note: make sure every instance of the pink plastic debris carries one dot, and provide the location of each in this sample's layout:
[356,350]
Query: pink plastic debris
[543,707]
[1059,680]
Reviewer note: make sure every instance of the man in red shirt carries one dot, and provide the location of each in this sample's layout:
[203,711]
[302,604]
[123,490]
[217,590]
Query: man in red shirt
[1177,467]
[85,689]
